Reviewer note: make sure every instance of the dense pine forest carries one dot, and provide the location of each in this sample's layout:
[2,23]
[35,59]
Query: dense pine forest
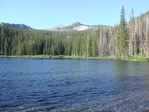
[123,40]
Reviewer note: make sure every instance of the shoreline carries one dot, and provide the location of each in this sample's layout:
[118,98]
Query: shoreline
[132,58]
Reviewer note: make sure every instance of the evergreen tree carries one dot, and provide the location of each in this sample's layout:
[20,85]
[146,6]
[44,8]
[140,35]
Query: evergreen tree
[122,41]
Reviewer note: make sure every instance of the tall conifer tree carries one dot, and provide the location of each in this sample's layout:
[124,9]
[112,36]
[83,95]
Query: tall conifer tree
[122,35]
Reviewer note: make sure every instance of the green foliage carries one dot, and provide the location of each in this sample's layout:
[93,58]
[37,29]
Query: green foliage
[122,35]
[34,42]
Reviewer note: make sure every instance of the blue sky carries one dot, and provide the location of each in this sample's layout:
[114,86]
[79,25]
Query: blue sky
[43,14]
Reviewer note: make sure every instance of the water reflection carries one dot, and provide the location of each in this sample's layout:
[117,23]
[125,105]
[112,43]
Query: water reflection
[73,85]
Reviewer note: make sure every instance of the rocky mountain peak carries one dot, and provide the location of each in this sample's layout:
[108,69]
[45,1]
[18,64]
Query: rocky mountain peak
[77,23]
[19,26]
[75,26]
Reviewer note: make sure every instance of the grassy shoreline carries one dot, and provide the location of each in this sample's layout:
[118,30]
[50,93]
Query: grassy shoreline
[132,58]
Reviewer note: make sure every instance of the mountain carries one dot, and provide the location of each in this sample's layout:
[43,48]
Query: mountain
[75,26]
[19,26]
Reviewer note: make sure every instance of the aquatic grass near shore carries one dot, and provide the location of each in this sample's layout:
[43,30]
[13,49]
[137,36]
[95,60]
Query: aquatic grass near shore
[131,58]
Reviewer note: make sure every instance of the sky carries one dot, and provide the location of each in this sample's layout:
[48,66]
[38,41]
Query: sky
[43,14]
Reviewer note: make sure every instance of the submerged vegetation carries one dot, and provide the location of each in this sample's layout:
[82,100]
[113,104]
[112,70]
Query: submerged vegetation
[128,41]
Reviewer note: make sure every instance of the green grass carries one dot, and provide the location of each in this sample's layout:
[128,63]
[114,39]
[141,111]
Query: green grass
[131,58]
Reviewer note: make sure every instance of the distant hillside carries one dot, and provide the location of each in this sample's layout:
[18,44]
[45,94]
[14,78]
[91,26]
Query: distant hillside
[19,26]
[75,26]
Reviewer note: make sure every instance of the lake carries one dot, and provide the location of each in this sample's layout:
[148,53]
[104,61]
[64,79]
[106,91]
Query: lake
[73,85]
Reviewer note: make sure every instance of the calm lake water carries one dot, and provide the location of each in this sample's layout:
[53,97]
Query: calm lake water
[73,85]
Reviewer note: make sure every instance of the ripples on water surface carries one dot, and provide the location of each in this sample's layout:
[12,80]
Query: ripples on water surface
[73,85]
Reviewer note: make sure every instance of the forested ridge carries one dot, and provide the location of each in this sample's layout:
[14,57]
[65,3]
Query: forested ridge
[123,40]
